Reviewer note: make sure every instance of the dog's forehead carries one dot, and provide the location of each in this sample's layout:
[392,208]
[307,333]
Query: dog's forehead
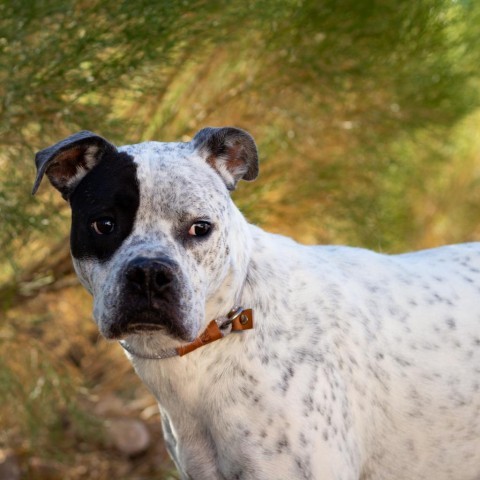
[173,174]
[156,160]
[160,149]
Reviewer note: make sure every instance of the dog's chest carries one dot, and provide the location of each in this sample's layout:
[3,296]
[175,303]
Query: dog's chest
[229,415]
[331,377]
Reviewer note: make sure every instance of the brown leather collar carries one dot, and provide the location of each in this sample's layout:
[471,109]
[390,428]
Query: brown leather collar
[237,320]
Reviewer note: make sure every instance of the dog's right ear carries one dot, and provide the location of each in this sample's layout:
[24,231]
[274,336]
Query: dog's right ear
[231,152]
[69,160]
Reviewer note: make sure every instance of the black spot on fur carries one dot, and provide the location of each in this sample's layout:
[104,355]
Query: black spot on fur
[109,190]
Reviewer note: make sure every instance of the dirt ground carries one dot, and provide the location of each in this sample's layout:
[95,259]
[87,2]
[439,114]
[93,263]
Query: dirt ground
[71,405]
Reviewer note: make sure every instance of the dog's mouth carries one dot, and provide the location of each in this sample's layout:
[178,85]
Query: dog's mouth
[116,333]
[146,323]
[134,328]
[140,329]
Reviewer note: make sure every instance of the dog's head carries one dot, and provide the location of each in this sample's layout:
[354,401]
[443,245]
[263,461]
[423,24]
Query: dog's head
[154,233]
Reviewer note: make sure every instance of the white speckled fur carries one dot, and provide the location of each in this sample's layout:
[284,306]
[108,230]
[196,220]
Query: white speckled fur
[361,365]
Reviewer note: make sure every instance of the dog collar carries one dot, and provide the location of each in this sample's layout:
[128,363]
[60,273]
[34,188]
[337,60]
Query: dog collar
[237,320]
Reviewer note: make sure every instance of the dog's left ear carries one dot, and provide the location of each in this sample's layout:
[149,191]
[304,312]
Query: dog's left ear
[230,151]
[69,160]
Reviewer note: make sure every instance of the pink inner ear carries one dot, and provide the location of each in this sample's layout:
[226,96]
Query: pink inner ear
[232,160]
[236,159]
[66,165]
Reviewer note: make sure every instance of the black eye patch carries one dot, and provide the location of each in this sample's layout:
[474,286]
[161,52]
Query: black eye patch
[109,191]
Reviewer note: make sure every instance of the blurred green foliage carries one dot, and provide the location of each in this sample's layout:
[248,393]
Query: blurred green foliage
[365,113]
[339,94]
[40,395]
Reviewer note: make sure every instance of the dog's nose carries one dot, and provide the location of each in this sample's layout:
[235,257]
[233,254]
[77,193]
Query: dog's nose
[150,276]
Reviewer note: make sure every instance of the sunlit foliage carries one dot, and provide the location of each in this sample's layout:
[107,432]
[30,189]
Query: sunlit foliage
[365,113]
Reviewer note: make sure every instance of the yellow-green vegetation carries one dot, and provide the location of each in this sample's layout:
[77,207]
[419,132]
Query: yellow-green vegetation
[366,115]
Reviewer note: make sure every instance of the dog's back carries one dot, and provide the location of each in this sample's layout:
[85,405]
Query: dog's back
[410,345]
[398,343]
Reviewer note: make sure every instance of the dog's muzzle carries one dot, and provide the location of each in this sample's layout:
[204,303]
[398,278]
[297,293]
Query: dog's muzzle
[149,279]
[150,298]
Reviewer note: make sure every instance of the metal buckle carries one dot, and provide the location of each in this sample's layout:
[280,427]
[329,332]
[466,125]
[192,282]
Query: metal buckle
[234,313]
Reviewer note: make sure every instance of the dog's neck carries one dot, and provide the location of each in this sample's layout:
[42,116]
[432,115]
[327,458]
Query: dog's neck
[228,291]
[223,293]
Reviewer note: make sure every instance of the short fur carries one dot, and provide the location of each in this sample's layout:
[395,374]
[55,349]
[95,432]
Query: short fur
[360,365]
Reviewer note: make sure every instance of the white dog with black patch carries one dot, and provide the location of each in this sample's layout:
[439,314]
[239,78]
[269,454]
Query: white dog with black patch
[358,365]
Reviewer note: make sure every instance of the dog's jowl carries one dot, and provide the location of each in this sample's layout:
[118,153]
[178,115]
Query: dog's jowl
[358,366]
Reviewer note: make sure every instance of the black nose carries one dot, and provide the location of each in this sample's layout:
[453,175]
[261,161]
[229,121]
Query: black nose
[149,277]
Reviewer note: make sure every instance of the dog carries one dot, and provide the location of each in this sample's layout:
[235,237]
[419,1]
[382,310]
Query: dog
[270,359]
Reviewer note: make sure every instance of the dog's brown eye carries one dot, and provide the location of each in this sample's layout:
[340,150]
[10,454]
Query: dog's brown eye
[199,229]
[103,226]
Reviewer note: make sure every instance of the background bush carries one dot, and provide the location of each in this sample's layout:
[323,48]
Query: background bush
[365,114]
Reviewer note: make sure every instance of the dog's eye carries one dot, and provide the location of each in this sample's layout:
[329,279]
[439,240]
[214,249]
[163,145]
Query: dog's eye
[199,229]
[103,226]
